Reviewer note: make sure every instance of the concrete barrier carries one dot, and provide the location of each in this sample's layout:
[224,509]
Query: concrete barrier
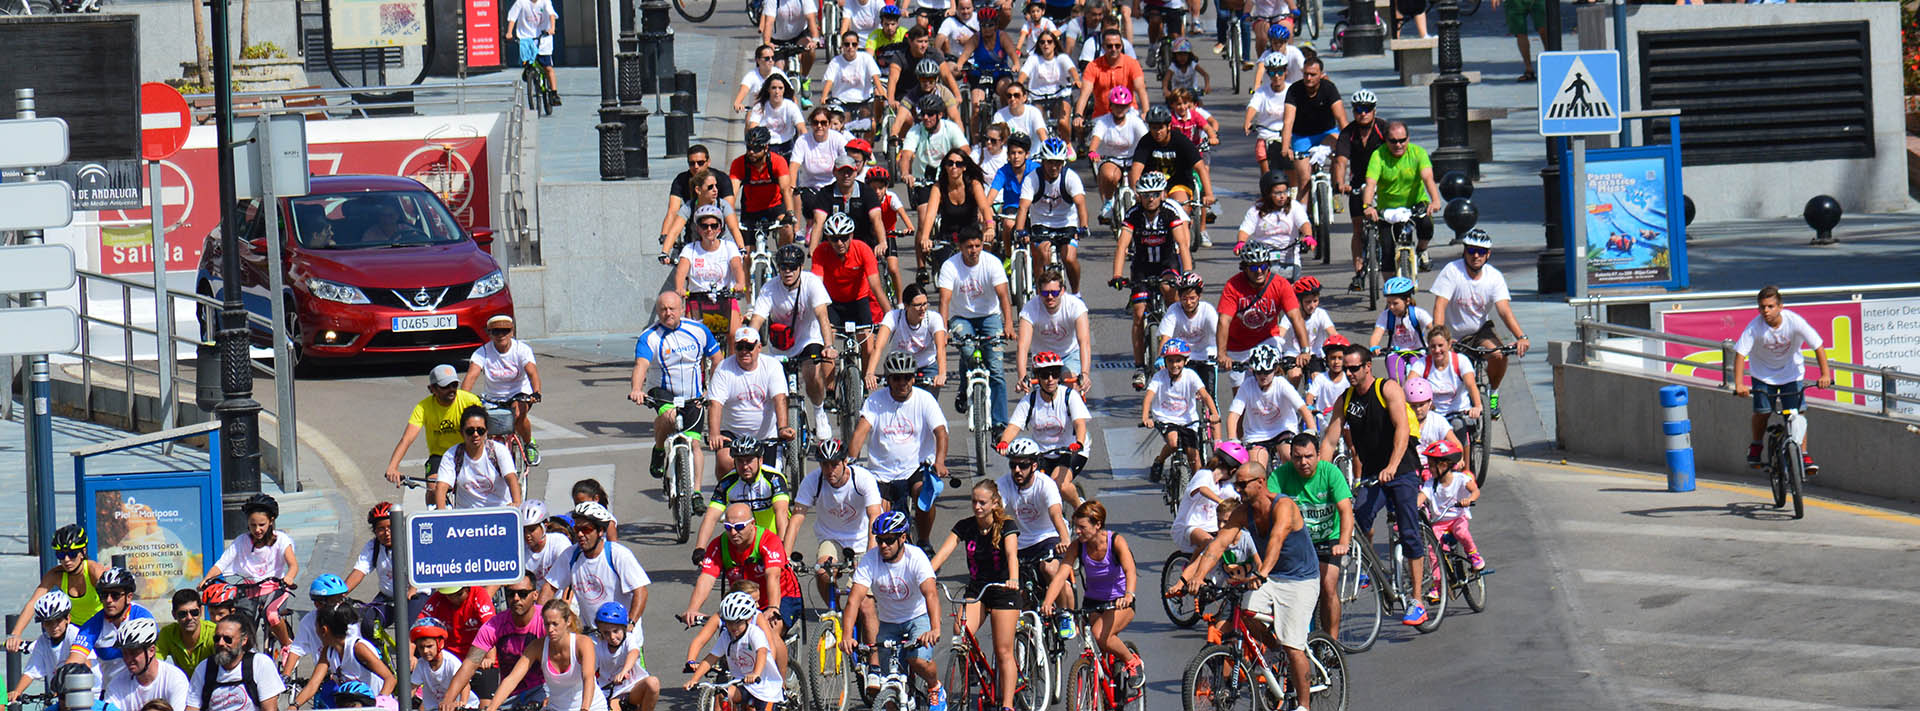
[598,271]
[1614,413]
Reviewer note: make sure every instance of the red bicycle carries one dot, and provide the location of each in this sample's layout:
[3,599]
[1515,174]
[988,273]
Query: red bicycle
[1095,677]
[1232,671]
[971,679]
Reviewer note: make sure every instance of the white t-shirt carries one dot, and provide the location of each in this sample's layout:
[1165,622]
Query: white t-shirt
[1197,511]
[377,562]
[1469,301]
[233,695]
[607,662]
[902,432]
[435,683]
[777,304]
[595,582]
[710,270]
[1047,77]
[958,31]
[1450,392]
[170,684]
[1405,333]
[975,289]
[753,79]
[541,562]
[1432,429]
[257,564]
[345,664]
[853,79]
[46,655]
[1030,507]
[1266,414]
[1201,330]
[1279,230]
[863,17]
[840,513]
[785,121]
[1050,422]
[1056,331]
[790,17]
[917,340]
[1319,328]
[740,655]
[1176,402]
[1030,123]
[746,396]
[1033,32]
[1324,392]
[530,18]
[812,160]
[1117,139]
[477,484]
[895,585]
[1774,354]
[306,636]
[989,162]
[1269,112]
[502,375]
[1052,205]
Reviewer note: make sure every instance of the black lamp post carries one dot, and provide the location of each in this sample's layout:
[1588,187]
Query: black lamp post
[239,413]
[1364,37]
[613,157]
[1450,99]
[1551,268]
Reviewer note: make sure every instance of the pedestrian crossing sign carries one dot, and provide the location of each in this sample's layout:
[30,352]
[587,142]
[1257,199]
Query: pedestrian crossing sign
[1579,93]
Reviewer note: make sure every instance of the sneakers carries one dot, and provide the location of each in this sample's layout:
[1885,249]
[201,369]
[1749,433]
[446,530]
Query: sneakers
[1753,455]
[1206,240]
[1493,403]
[937,699]
[1433,596]
[1426,264]
[659,466]
[1359,282]
[1219,49]
[1479,564]
[960,402]
[553,97]
[873,683]
[822,425]
[533,453]
[1134,675]
[1154,473]
[1106,210]
[1068,629]
[1416,615]
[1807,461]
[1139,381]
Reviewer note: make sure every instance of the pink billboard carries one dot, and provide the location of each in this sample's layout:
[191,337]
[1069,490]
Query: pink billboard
[1839,323]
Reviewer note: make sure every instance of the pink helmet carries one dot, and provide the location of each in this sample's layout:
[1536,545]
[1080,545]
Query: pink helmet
[1419,390]
[1120,95]
[1233,451]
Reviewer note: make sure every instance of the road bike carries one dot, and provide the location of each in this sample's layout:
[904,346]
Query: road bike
[829,666]
[1480,431]
[1196,436]
[1320,199]
[539,91]
[971,681]
[974,348]
[1390,579]
[1156,310]
[1236,47]
[700,10]
[1232,671]
[762,235]
[1463,582]
[899,688]
[850,385]
[677,484]
[1785,464]
[1096,679]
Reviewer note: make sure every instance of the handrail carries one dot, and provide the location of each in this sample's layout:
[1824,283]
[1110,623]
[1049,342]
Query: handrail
[417,88]
[1855,289]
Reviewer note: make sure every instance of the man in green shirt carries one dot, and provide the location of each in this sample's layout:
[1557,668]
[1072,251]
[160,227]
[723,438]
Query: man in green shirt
[1327,505]
[1400,175]
[189,640]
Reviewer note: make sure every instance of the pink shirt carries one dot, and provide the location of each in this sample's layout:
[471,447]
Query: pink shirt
[512,641]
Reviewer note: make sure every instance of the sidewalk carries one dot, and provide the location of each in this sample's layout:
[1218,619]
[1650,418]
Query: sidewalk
[570,145]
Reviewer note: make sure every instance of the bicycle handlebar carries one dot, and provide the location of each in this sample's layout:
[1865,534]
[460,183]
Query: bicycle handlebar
[1479,353]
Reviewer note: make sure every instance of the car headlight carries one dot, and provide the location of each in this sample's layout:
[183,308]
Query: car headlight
[335,291]
[488,285]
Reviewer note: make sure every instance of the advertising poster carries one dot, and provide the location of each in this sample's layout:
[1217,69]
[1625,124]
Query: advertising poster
[483,34]
[1876,333]
[1628,229]
[360,24]
[159,531]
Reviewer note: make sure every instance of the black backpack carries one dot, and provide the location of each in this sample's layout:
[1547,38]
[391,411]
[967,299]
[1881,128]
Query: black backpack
[209,684]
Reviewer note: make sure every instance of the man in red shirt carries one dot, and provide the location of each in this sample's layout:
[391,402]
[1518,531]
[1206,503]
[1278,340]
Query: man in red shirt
[1113,68]
[764,183]
[464,610]
[737,555]
[847,267]
[1251,306]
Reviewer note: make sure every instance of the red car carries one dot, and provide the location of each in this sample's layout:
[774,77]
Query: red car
[376,266]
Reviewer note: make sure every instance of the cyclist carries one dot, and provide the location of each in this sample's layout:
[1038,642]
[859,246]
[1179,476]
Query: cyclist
[750,653]
[1114,69]
[1267,411]
[1272,19]
[763,67]
[598,571]
[910,97]
[218,597]
[73,576]
[1381,439]
[974,302]
[814,154]
[189,639]
[1267,115]
[1320,329]
[1466,295]
[1192,320]
[1400,175]
[792,307]
[438,416]
[1164,251]
[848,497]
[1058,322]
[1035,502]
[95,637]
[710,195]
[905,428]
[1279,222]
[846,195]
[1403,324]
[786,24]
[1314,116]
[958,26]
[617,664]
[1053,206]
[1052,76]
[1450,376]
[1252,307]
[1446,498]
[913,328]
[498,643]
[711,272]
[748,398]
[907,59]
[466,610]
[1326,505]
[567,655]
[1176,397]
[990,56]
[991,153]
[776,110]
[1056,419]
[1003,194]
[259,556]
[686,352]
[1037,24]
[344,658]
[764,182]
[1108,576]
[888,39]
[1770,349]
[854,78]
[375,558]
[148,676]
[1197,518]
[1174,155]
[1353,152]
[236,677]
[956,198]
[1428,427]
[1112,139]
[434,667]
[765,490]
[1193,120]
[747,552]
[326,592]
[851,274]
[53,612]
[509,380]
[893,216]
[545,548]
[992,560]
[531,23]
[906,600]
[1184,72]
[933,137]
[689,188]
[479,472]
[1020,118]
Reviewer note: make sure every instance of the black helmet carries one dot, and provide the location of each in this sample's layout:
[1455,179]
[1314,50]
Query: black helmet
[931,104]
[1159,114]
[1269,180]
[759,137]
[790,257]
[115,578]
[1024,141]
[829,450]
[261,503]
[70,537]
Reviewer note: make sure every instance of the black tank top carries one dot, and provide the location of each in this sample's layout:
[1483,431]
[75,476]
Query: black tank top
[954,216]
[1372,426]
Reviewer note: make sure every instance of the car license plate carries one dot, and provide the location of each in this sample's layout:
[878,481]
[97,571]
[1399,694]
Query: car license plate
[436,322]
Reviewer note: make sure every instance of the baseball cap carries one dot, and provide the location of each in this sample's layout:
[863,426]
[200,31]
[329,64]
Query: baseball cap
[746,334]
[501,320]
[845,161]
[449,590]
[443,375]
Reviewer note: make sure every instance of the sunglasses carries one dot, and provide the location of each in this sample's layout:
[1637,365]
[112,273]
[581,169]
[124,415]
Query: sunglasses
[822,122]
[1363,108]
[1049,293]
[518,593]
[114,594]
[731,526]
[69,555]
[473,430]
[709,225]
[1021,463]
[901,377]
[696,163]
[499,331]
[1254,267]
[1047,373]
[226,639]
[1116,47]
[1396,141]
[765,58]
[894,539]
[186,614]
[789,269]
[1478,251]
[744,346]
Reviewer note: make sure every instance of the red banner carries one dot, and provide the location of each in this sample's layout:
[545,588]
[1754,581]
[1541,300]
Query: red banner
[1838,323]
[483,34]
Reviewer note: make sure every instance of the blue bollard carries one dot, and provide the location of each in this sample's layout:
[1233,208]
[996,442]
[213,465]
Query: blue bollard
[1679,432]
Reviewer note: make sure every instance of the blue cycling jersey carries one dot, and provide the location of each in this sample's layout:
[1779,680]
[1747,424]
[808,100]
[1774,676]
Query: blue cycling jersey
[676,354]
[95,637]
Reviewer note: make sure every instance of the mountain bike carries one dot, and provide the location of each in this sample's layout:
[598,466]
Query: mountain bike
[539,92]
[1096,680]
[973,364]
[762,236]
[1043,631]
[971,681]
[1393,575]
[1232,671]
[1463,582]
[1184,611]
[682,496]
[700,10]
[1197,436]
[830,667]
[792,457]
[1786,466]
[899,688]
[1480,431]
[1320,202]
[1398,225]
[850,385]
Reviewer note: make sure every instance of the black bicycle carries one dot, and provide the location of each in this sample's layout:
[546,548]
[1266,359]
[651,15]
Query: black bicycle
[1480,431]
[1786,463]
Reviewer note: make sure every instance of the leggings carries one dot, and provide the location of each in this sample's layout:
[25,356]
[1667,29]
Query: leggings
[1458,527]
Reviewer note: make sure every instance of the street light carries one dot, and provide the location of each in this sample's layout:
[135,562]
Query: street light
[1450,99]
[239,413]
[1550,270]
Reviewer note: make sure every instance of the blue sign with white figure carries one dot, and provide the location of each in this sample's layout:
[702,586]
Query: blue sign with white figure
[1579,93]
[464,547]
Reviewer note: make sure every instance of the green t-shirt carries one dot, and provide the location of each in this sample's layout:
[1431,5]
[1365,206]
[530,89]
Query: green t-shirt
[172,649]
[1397,181]
[1318,497]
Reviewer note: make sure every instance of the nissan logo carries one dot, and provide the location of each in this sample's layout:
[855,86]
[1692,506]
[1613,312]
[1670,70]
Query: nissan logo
[422,298]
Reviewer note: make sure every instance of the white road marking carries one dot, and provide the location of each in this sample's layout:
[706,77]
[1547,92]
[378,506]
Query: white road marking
[1143,490]
[546,430]
[1708,700]
[1790,538]
[546,454]
[1130,451]
[559,484]
[1769,647]
[1689,582]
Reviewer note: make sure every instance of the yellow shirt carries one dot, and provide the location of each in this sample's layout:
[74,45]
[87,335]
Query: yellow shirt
[441,423]
[879,38]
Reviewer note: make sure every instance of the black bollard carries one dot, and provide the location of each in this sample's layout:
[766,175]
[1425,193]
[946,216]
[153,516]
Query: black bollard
[1822,214]
[686,81]
[1461,215]
[1455,184]
[613,159]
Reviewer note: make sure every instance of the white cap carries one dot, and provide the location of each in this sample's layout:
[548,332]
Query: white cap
[443,375]
[745,333]
[500,320]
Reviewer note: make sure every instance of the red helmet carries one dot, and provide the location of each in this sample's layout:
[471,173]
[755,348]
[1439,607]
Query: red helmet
[879,173]
[1306,285]
[1443,449]
[1047,359]
[217,593]
[1338,340]
[382,510]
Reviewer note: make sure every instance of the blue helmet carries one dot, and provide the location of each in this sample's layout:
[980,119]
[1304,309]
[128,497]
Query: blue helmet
[354,688]
[1398,286]
[612,612]
[328,584]
[890,523]
[1279,32]
[1176,347]
[1055,149]
[889,10]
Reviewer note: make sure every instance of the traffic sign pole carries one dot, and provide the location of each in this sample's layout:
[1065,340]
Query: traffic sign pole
[39,395]
[162,299]
[1577,281]
[402,622]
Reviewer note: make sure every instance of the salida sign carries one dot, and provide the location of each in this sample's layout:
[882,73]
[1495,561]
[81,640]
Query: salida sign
[455,166]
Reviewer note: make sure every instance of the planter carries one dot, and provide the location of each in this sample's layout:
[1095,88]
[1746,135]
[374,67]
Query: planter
[274,74]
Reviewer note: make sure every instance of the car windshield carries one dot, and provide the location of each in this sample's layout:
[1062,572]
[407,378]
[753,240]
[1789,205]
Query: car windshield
[401,218]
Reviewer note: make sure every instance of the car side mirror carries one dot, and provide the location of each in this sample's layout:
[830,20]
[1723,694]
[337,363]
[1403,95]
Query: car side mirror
[483,236]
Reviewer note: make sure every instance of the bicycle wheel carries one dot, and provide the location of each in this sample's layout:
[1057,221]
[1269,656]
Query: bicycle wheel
[1182,611]
[963,686]
[1437,579]
[1371,263]
[1483,435]
[682,499]
[695,10]
[1796,476]
[1086,693]
[979,414]
[1313,18]
[1329,674]
[1777,472]
[753,12]
[888,700]
[1216,679]
[1362,602]
[828,666]
[1031,692]
[1471,585]
[1020,279]
[1405,265]
[1233,54]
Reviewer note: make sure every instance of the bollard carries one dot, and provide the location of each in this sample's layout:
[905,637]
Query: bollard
[613,160]
[1679,432]
[682,102]
[634,118]
[13,658]
[679,132]
[685,81]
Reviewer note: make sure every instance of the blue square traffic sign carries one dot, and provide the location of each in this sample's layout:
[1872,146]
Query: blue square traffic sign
[1579,93]
[463,547]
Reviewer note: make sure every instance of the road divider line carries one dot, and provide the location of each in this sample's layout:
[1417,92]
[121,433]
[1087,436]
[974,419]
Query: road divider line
[1710,700]
[1689,582]
[1754,491]
[1790,538]
[546,430]
[1770,647]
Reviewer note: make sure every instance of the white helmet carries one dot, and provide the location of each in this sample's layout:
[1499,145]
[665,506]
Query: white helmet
[533,512]
[737,606]
[594,511]
[839,224]
[1154,182]
[1056,149]
[137,633]
[1477,237]
[1364,96]
[50,606]
[1023,447]
[1274,61]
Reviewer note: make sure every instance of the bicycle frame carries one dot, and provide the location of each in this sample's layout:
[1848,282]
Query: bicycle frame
[963,638]
[678,483]
[973,360]
[1320,202]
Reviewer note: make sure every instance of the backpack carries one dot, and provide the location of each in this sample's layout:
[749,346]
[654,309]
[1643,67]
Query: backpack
[209,684]
[606,550]
[1413,319]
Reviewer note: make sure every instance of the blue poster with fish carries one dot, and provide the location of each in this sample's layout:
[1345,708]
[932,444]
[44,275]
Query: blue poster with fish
[1635,219]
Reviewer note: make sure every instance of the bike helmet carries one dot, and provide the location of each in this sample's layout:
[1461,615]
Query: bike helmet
[712,211]
[73,677]
[611,612]
[593,511]
[1020,140]
[533,513]
[1183,46]
[738,606]
[744,447]
[1176,347]
[830,450]
[1120,95]
[1364,96]
[1400,286]
[325,585]
[1419,390]
[931,105]
[217,594]
[889,10]
[115,578]
[837,225]
[353,688]
[1255,253]
[70,537]
[890,523]
[1159,114]
[835,105]
[1047,359]
[1279,32]
[879,173]
[1056,149]
[51,606]
[1477,237]
[758,138]
[1190,280]
[901,363]
[137,633]
[428,626]
[1443,449]
[790,256]
[926,68]
[1263,358]
[1155,182]
[1023,448]
[1270,180]
[1274,62]
[261,503]
[1338,340]
[380,511]
[1306,285]
[989,15]
[1233,451]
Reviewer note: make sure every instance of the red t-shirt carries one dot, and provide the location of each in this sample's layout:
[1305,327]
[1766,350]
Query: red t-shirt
[1253,316]
[752,565]
[846,275]
[463,618]
[760,190]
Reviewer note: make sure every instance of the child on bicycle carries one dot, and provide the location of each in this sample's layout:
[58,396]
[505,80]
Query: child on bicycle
[1326,380]
[893,214]
[1447,497]
[1432,427]
[589,489]
[1184,73]
[434,667]
[993,558]
[710,625]
[258,555]
[743,646]
[1456,395]
[617,665]
[1242,553]
[1108,576]
[1176,396]
[509,383]
[1195,521]
[1319,322]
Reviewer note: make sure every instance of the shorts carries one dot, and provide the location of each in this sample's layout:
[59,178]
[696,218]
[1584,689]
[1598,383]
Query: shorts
[1071,460]
[931,16]
[859,312]
[899,493]
[995,598]
[1520,11]
[836,551]
[807,354]
[1089,602]
[1356,205]
[1482,334]
[790,609]
[1138,273]
[1791,395]
[1276,447]
[1302,144]
[1287,606]
[911,629]
[530,47]
[1040,552]
[1324,549]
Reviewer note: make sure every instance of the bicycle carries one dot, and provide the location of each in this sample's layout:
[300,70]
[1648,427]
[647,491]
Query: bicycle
[700,10]
[1463,582]
[1320,202]
[1197,436]
[898,689]
[1123,201]
[978,114]
[788,57]
[1398,223]
[1019,266]
[1096,679]
[826,663]
[971,680]
[500,421]
[682,496]
[1058,239]
[761,237]
[1785,464]
[973,363]
[792,457]
[1232,670]
[935,255]
[797,693]
[1042,631]
[1309,18]
[1397,592]
[539,91]
[249,598]
[1156,309]
[850,388]
[1479,432]
[48,700]
[1184,611]
[1236,47]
